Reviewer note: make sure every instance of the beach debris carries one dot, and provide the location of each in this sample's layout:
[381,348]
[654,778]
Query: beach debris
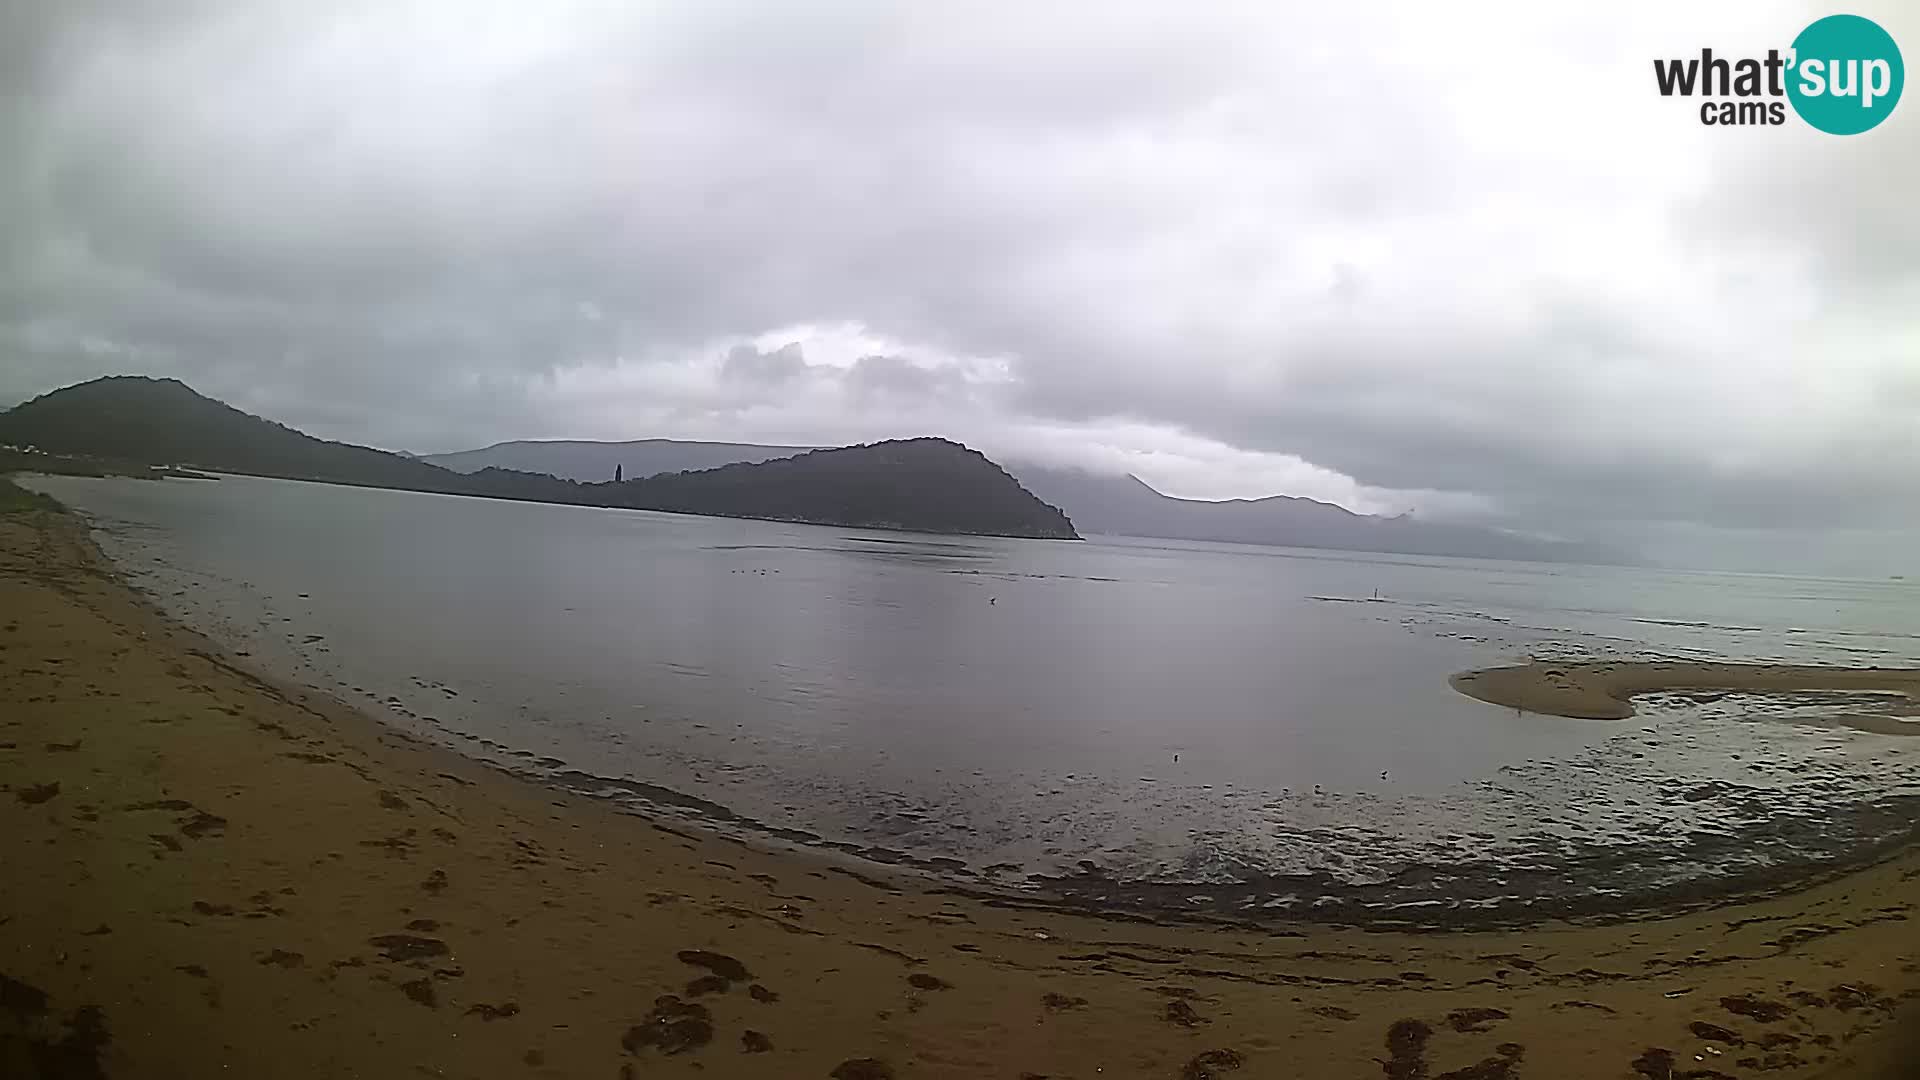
[922,981]
[1062,1003]
[754,1042]
[761,994]
[494,1012]
[862,1069]
[1847,998]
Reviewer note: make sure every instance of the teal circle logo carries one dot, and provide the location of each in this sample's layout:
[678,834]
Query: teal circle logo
[1847,74]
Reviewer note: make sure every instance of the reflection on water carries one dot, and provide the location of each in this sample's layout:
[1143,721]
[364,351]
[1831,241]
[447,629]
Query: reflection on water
[1112,716]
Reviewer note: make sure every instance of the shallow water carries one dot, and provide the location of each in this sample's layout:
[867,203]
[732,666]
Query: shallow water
[1203,727]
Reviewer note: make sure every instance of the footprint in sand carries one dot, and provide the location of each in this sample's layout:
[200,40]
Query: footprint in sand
[421,992]
[720,964]
[39,793]
[1181,1013]
[707,984]
[404,947]
[672,1027]
[1474,1020]
[1210,1065]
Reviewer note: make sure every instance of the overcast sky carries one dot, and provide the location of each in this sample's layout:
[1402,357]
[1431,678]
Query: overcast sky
[1394,256]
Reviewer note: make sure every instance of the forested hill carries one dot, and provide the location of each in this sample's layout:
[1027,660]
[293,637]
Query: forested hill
[164,422]
[928,485]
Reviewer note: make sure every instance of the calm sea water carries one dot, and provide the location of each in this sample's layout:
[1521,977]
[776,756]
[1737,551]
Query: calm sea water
[1123,721]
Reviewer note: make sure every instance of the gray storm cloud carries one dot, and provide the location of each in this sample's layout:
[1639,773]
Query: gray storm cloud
[1396,257]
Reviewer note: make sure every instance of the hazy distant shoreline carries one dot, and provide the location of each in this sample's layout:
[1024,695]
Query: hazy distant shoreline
[1112,504]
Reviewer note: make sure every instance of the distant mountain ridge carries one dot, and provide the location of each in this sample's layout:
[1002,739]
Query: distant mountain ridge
[1098,503]
[928,484]
[1128,506]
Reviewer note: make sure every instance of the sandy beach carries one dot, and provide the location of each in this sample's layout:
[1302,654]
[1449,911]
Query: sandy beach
[1605,691]
[208,873]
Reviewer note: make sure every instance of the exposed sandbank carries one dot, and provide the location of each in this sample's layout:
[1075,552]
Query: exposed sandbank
[1605,690]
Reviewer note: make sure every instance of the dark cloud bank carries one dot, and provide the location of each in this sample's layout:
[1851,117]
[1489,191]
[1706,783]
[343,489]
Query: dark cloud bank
[1238,252]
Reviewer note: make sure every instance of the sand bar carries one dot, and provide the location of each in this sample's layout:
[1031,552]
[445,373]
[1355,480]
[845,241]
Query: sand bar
[1605,690]
[211,874]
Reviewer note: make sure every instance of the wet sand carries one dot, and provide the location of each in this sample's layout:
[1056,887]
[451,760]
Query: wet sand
[207,873]
[1605,691]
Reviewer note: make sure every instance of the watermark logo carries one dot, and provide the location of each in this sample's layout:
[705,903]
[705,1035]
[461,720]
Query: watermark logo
[1842,75]
[1849,75]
